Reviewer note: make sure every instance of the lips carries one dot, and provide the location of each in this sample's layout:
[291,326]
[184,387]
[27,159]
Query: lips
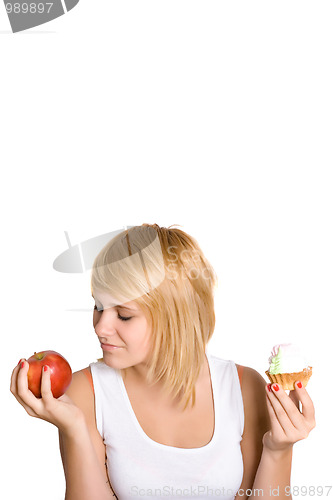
[110,346]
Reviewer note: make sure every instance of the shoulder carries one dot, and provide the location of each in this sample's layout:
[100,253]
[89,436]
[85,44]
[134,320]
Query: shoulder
[81,393]
[256,422]
[81,375]
[250,376]
[254,396]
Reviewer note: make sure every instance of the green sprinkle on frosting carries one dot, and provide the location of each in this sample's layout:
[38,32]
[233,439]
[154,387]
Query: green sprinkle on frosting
[276,363]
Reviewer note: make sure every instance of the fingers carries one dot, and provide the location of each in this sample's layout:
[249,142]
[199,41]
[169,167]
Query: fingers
[13,378]
[294,398]
[286,413]
[276,427]
[27,397]
[308,409]
[42,407]
[294,423]
[19,387]
[45,387]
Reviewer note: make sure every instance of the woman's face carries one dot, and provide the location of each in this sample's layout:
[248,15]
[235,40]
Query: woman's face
[124,326]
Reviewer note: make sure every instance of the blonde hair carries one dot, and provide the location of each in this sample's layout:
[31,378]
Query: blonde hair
[166,273]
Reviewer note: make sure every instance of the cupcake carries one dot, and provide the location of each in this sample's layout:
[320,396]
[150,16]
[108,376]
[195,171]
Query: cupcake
[288,365]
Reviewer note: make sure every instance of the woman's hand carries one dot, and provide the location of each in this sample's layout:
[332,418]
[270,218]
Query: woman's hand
[61,412]
[288,424]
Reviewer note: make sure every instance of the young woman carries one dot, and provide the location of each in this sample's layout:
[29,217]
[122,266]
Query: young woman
[157,415]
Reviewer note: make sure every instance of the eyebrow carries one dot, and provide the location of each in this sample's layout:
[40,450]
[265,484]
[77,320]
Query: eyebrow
[119,305]
[124,307]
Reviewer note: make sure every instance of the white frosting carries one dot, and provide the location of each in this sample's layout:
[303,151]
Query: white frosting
[292,359]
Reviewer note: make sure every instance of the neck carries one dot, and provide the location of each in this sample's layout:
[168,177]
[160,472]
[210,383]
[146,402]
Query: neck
[137,374]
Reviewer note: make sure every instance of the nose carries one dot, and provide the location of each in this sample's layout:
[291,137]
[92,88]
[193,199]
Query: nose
[105,327]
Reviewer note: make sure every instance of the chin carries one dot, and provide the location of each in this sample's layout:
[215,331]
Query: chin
[114,362]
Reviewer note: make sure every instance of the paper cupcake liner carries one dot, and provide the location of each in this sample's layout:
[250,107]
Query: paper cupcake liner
[287,380]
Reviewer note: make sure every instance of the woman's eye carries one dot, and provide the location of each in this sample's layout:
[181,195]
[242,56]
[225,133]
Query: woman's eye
[124,319]
[120,317]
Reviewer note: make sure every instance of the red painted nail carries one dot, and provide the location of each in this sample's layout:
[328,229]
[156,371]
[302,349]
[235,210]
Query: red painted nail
[269,387]
[299,384]
[22,364]
[45,368]
[276,387]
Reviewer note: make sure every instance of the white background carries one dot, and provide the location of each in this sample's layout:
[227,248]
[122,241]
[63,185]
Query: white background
[216,116]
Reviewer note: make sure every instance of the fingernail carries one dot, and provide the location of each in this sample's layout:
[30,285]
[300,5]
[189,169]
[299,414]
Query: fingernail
[22,364]
[299,384]
[19,361]
[45,368]
[276,387]
[269,387]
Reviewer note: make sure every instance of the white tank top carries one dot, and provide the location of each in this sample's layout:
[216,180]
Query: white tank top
[139,467]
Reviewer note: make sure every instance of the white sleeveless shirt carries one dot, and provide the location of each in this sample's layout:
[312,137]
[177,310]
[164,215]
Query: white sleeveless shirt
[139,467]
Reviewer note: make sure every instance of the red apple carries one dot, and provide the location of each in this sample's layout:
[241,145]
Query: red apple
[60,372]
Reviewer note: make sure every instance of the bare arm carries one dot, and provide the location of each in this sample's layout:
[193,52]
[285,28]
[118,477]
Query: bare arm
[83,451]
[85,479]
[288,425]
[81,446]
[273,423]
[273,475]
[256,423]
